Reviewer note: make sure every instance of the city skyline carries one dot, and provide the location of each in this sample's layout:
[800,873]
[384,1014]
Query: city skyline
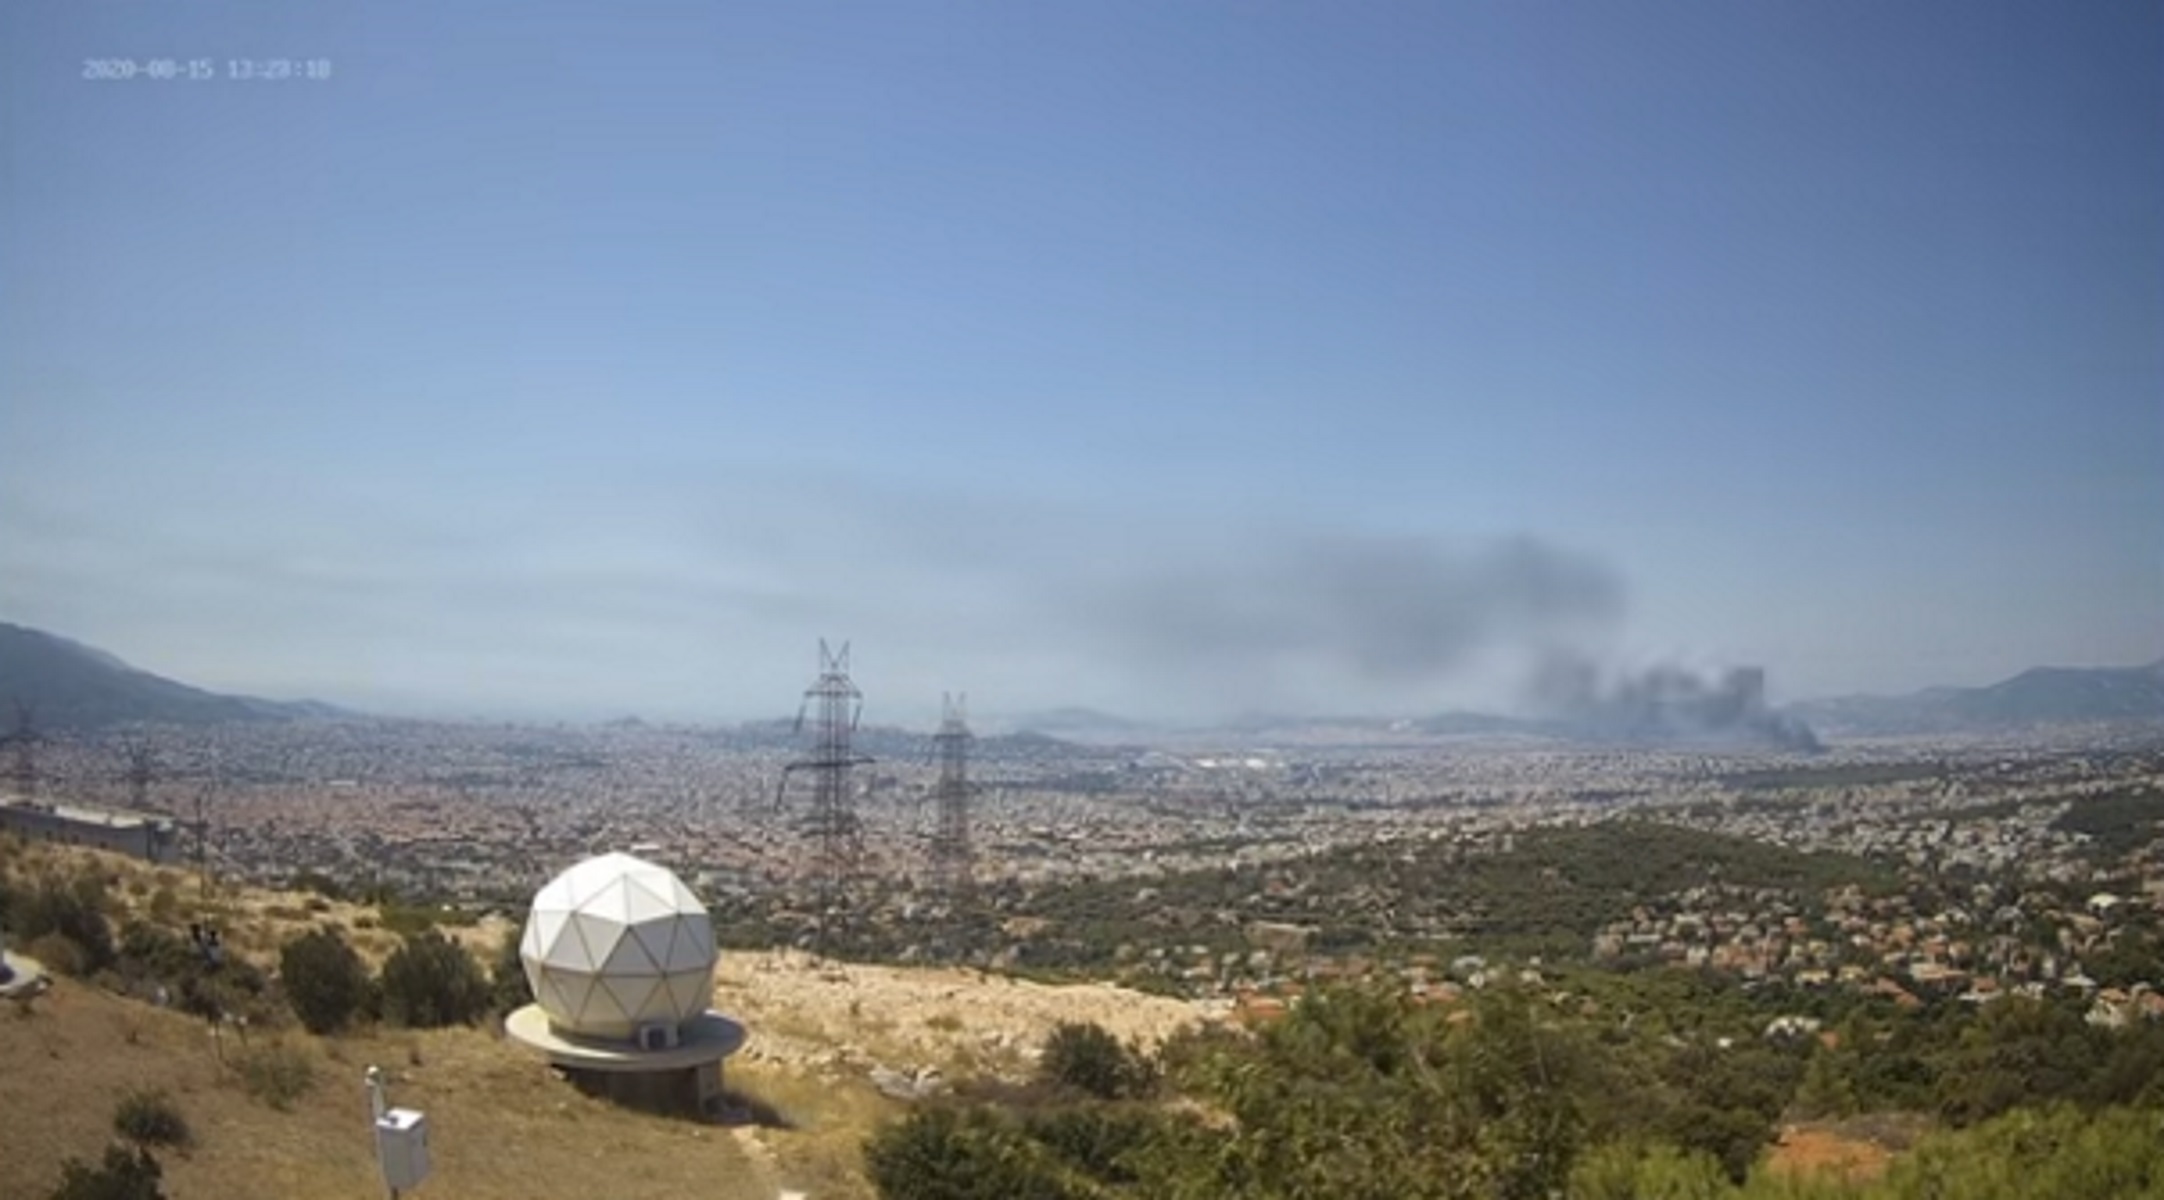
[1176,361]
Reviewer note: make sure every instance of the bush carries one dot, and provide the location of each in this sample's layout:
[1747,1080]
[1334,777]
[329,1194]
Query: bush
[151,1119]
[124,1175]
[509,988]
[276,1074]
[1648,1171]
[74,909]
[164,905]
[325,981]
[430,980]
[1086,1057]
[60,954]
[1100,1140]
[963,1154]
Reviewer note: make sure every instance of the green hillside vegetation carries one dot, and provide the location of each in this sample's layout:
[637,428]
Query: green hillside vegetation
[1543,891]
[2117,823]
[1548,892]
[1365,1092]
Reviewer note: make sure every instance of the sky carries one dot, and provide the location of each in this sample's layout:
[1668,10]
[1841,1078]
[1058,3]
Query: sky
[1175,359]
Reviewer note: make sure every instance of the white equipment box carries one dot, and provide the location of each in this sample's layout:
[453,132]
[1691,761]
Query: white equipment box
[402,1147]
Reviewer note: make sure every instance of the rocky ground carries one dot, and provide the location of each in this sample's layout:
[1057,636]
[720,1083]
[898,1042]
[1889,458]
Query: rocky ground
[907,1028]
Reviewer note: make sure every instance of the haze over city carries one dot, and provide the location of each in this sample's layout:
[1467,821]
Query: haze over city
[1179,361]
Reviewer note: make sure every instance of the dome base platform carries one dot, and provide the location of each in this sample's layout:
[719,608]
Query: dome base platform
[684,1079]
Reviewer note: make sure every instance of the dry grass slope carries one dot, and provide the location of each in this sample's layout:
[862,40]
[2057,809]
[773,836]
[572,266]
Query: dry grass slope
[502,1125]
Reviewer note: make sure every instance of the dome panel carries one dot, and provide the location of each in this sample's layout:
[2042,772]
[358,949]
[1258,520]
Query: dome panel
[689,995]
[604,1012]
[556,897]
[572,990]
[692,948]
[654,938]
[596,937]
[637,997]
[683,898]
[630,957]
[567,952]
[643,901]
[542,930]
[612,902]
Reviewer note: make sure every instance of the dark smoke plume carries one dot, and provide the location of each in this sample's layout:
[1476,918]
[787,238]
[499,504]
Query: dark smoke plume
[1667,705]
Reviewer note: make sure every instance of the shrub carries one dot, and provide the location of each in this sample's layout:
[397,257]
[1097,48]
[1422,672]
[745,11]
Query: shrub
[60,954]
[1086,1057]
[276,1074]
[124,1175]
[74,909]
[431,980]
[508,986]
[151,1119]
[325,981]
[963,1154]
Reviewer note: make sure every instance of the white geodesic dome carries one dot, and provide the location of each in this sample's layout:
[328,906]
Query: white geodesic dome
[617,943]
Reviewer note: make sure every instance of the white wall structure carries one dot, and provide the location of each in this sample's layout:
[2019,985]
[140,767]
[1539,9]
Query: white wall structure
[617,945]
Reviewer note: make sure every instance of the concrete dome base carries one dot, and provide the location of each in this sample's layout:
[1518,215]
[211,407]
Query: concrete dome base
[682,1080]
[706,1038]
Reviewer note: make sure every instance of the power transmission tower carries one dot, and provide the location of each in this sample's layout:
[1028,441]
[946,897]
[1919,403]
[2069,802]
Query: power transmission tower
[837,836]
[950,835]
[24,739]
[201,827]
[141,772]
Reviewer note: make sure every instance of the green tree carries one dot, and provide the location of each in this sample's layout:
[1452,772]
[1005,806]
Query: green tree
[2057,1151]
[325,980]
[1627,1170]
[948,1153]
[1086,1057]
[431,980]
[509,989]
[2017,1051]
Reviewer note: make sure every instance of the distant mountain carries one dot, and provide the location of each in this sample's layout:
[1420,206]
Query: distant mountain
[2042,696]
[1473,724]
[74,686]
[1077,722]
[892,744]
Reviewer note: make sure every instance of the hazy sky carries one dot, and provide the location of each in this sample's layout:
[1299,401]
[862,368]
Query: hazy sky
[1170,358]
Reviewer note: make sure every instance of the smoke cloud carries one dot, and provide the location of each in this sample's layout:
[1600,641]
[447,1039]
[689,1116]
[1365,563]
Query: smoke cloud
[1666,705]
[1395,611]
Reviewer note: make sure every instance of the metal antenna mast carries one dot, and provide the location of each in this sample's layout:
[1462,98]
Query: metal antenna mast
[832,825]
[25,739]
[950,837]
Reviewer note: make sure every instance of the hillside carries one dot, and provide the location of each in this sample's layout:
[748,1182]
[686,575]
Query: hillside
[74,686]
[2039,697]
[502,1125]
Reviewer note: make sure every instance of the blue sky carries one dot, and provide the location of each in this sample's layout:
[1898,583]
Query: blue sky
[1177,359]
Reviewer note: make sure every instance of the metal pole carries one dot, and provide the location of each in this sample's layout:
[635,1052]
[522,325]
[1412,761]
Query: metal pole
[376,1108]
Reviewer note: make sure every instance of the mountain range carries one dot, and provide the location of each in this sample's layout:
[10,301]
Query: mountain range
[2042,696]
[75,686]
[71,686]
